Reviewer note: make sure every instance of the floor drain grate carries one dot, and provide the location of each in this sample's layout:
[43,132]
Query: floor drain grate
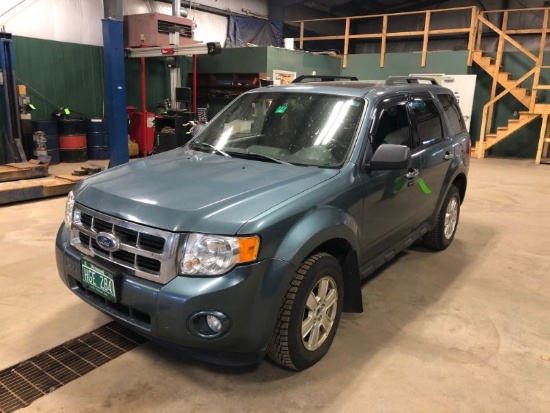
[29,380]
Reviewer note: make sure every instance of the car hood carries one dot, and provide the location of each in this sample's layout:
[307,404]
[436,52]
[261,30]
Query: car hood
[183,190]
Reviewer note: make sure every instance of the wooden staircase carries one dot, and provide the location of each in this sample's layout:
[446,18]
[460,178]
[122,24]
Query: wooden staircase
[526,97]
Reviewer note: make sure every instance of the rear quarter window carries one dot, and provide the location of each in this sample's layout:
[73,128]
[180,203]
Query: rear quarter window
[428,121]
[454,116]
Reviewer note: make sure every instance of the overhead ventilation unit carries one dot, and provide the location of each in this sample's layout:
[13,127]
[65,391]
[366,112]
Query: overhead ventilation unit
[153,29]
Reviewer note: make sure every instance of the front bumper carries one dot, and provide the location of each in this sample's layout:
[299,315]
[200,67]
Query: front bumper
[250,296]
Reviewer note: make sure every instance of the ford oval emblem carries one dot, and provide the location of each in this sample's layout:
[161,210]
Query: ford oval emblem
[107,241]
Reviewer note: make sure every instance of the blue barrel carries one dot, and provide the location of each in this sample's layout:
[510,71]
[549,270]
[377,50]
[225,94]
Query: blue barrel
[46,139]
[98,138]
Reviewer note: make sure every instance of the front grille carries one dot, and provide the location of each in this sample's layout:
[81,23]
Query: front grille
[129,236]
[148,264]
[146,252]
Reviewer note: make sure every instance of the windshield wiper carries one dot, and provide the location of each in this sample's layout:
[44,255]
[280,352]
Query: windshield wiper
[205,145]
[259,156]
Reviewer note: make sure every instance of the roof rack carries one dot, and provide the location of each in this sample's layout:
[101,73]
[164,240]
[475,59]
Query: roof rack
[323,78]
[400,80]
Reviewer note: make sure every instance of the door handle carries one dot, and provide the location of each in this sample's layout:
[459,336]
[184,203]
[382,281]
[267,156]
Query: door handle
[411,173]
[448,156]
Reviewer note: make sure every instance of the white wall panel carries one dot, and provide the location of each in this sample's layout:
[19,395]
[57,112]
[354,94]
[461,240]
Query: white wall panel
[76,21]
[79,21]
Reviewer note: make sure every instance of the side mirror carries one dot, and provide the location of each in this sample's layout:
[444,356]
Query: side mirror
[390,158]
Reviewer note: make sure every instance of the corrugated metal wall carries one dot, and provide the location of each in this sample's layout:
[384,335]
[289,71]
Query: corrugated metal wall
[60,74]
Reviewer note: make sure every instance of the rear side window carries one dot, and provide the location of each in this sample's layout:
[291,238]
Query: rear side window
[456,122]
[428,121]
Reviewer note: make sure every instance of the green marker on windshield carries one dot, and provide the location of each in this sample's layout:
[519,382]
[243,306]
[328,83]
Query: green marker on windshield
[281,109]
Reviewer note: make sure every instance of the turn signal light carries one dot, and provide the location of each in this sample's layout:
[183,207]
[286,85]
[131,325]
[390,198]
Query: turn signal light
[248,248]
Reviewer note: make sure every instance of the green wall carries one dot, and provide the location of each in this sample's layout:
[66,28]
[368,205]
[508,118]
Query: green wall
[266,59]
[237,60]
[69,74]
[367,66]
[60,74]
[301,63]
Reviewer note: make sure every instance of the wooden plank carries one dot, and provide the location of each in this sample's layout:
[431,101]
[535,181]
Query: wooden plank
[25,190]
[542,108]
[338,37]
[539,63]
[384,38]
[500,50]
[472,36]
[526,31]
[448,31]
[346,44]
[531,9]
[543,145]
[366,36]
[405,34]
[425,41]
[22,170]
[302,35]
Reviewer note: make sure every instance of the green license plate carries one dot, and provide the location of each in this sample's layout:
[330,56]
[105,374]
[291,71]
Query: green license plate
[98,280]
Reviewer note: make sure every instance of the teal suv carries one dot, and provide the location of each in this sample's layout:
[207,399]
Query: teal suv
[257,234]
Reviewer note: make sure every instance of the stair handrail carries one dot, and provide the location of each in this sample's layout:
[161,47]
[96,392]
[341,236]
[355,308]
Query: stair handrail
[507,37]
[486,107]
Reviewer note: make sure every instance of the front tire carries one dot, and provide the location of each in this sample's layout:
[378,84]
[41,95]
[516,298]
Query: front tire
[441,236]
[310,314]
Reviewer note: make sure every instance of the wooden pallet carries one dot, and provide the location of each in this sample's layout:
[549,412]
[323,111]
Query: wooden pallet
[27,189]
[23,170]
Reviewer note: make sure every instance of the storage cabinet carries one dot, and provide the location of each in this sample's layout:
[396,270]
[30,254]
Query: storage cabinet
[215,90]
[172,130]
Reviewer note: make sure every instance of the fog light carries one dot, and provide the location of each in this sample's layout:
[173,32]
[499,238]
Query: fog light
[214,323]
[209,324]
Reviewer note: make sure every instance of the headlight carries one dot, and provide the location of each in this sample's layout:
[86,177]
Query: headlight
[216,254]
[69,208]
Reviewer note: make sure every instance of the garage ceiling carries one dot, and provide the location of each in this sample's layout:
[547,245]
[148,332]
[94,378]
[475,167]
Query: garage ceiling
[355,8]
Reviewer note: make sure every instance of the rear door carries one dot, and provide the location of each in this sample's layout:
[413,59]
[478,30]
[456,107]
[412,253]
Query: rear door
[434,148]
[389,197]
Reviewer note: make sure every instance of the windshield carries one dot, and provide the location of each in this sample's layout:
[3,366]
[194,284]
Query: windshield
[298,128]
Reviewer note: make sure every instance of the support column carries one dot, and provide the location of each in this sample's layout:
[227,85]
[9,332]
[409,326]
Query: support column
[115,90]
[175,72]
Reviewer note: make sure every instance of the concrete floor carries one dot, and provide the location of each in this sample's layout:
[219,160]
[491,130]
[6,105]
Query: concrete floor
[464,330]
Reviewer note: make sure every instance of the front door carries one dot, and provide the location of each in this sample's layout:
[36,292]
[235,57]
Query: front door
[389,197]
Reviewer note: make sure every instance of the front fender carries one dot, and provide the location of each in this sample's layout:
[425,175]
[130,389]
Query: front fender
[315,228]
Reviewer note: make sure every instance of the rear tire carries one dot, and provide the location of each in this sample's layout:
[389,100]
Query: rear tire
[443,233]
[310,314]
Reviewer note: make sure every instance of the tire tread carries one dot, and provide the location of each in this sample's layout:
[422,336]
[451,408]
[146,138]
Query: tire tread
[278,347]
[434,239]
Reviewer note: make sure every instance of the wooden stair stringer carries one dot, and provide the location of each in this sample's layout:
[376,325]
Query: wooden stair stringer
[503,78]
[514,125]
